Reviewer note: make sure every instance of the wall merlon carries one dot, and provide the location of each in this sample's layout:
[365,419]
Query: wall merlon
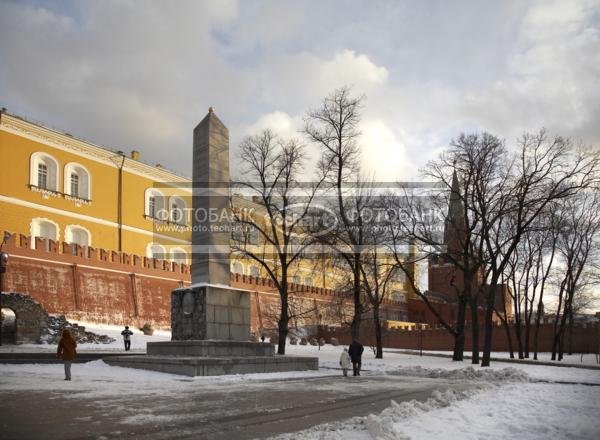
[63,252]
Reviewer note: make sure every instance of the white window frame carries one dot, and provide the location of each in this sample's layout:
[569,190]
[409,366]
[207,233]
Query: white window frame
[41,157]
[159,208]
[182,205]
[85,180]
[175,250]
[69,234]
[150,252]
[237,267]
[34,229]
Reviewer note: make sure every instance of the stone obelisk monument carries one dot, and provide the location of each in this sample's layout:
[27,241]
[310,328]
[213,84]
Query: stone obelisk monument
[210,308]
[210,320]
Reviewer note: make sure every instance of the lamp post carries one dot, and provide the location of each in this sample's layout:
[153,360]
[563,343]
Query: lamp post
[119,161]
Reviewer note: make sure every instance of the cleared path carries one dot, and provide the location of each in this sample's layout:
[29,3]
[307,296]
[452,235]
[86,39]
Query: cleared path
[231,411]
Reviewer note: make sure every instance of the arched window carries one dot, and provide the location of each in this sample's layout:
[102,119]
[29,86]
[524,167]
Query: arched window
[178,209]
[237,267]
[296,279]
[155,205]
[43,171]
[254,271]
[78,181]
[398,296]
[75,234]
[398,275]
[155,250]
[178,255]
[308,281]
[43,228]
[254,237]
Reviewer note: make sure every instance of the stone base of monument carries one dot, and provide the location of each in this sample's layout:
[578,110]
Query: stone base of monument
[213,358]
[210,326]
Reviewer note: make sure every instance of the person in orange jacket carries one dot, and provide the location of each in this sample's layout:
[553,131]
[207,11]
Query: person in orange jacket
[66,350]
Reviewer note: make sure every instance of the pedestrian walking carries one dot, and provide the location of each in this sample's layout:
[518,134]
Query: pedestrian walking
[355,351]
[66,351]
[345,361]
[127,337]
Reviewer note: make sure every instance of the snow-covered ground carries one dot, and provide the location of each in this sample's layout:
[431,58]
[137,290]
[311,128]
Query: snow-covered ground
[138,340]
[509,401]
[575,359]
[522,410]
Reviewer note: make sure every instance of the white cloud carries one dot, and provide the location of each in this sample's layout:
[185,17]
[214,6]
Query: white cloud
[377,142]
[554,76]
[279,122]
[132,77]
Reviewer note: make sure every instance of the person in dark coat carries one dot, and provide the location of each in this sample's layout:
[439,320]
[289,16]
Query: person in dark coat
[355,351]
[66,351]
[127,337]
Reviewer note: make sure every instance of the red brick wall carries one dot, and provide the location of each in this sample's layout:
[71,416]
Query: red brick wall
[314,305]
[112,288]
[585,338]
[102,287]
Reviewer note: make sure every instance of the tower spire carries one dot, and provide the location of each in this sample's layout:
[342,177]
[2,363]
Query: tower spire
[454,225]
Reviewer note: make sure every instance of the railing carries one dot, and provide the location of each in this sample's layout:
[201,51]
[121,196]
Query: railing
[59,194]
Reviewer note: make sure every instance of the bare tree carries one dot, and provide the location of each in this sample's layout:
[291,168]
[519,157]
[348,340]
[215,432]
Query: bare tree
[334,128]
[376,265]
[271,168]
[540,171]
[528,271]
[505,192]
[577,242]
[471,157]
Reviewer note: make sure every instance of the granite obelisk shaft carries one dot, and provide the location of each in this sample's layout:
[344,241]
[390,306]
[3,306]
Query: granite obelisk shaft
[211,228]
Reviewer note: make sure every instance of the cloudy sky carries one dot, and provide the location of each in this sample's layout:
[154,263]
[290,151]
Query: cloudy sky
[140,75]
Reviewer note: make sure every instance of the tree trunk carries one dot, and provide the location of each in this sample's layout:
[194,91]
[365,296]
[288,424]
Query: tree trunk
[459,336]
[357,300]
[378,335]
[570,332]
[538,320]
[561,345]
[527,330]
[509,339]
[474,331]
[489,326]
[518,336]
[517,310]
[557,346]
[284,319]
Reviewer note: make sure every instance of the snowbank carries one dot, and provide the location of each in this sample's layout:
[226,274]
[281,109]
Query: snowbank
[525,411]
[469,373]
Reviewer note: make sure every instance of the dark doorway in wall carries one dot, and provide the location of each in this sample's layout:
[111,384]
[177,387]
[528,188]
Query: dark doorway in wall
[9,325]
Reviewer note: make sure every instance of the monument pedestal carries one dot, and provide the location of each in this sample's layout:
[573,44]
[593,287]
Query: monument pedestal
[207,311]
[213,358]
[210,332]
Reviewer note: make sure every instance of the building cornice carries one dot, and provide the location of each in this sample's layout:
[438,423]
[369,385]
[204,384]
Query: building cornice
[65,142]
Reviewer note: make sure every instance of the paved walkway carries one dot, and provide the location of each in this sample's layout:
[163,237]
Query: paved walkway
[225,411]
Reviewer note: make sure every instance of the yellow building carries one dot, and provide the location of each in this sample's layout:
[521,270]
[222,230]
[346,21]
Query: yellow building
[55,186]
[58,187]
